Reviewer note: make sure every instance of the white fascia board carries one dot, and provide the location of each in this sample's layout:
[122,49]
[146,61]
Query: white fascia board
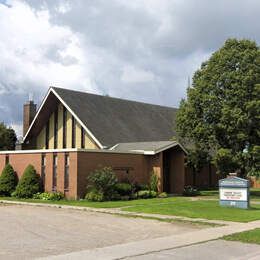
[37,113]
[113,147]
[69,109]
[66,150]
[75,116]
[170,146]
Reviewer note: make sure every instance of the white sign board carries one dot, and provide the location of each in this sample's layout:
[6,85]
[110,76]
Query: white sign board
[233,194]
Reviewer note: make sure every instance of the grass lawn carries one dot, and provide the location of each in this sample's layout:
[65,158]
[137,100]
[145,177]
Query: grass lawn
[176,206]
[251,236]
[105,204]
[207,209]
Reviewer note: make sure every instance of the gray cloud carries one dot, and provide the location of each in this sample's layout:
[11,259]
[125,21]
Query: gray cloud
[141,50]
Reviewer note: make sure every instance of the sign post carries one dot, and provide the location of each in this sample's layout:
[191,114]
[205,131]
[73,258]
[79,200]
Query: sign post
[234,192]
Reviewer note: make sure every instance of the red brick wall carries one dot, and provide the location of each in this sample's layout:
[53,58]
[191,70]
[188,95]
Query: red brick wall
[2,162]
[255,183]
[155,164]
[21,161]
[177,177]
[88,162]
[203,179]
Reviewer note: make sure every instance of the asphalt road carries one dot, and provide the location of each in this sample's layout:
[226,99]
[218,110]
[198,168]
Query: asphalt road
[28,231]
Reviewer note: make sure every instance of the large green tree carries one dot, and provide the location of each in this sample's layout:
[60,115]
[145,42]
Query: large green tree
[221,113]
[7,138]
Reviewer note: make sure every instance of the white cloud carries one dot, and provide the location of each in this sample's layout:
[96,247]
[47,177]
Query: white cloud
[131,74]
[138,49]
[27,38]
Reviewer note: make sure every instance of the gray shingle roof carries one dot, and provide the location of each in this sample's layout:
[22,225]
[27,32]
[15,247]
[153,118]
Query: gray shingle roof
[145,146]
[114,120]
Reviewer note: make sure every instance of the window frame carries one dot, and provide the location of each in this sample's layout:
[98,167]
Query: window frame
[47,134]
[67,172]
[55,134]
[64,127]
[73,133]
[54,172]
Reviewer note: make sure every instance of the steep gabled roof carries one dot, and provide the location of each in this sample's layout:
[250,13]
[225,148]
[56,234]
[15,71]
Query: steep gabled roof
[114,120]
[110,121]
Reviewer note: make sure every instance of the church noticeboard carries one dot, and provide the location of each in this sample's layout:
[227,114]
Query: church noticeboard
[234,192]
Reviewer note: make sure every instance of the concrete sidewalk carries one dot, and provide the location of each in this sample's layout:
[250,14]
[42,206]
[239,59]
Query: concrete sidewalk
[213,250]
[159,244]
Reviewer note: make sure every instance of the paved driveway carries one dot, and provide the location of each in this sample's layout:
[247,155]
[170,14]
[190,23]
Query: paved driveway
[29,231]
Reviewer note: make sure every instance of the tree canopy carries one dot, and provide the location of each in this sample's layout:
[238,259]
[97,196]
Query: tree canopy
[7,138]
[221,114]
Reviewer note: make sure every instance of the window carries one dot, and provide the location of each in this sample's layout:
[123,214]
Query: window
[55,128]
[73,132]
[67,173]
[43,170]
[47,135]
[54,175]
[6,159]
[64,127]
[82,137]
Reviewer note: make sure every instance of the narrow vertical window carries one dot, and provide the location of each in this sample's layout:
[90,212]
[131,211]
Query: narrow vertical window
[55,128]
[82,137]
[73,132]
[64,127]
[43,170]
[67,173]
[54,175]
[47,135]
[6,159]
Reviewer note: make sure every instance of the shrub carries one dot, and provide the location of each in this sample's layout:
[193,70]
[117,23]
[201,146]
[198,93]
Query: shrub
[138,187]
[190,191]
[163,195]
[124,189]
[133,196]
[48,196]
[8,181]
[29,184]
[146,194]
[143,194]
[153,183]
[153,194]
[125,197]
[95,196]
[103,181]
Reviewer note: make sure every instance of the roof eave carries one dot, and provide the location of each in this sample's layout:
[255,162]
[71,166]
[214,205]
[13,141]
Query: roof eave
[52,90]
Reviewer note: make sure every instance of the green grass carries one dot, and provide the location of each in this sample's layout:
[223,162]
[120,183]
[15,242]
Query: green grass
[105,204]
[200,209]
[172,220]
[252,236]
[175,206]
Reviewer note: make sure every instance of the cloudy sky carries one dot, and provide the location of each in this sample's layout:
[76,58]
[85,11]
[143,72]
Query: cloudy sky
[142,50]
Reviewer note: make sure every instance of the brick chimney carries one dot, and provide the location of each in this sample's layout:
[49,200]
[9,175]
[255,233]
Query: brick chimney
[29,111]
